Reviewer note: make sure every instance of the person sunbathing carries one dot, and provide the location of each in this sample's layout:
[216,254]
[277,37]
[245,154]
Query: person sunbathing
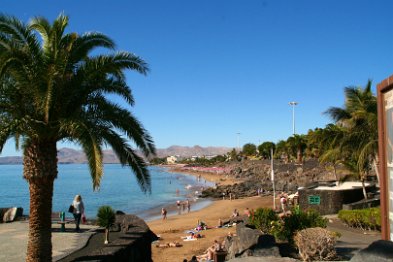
[208,255]
[170,244]
[192,236]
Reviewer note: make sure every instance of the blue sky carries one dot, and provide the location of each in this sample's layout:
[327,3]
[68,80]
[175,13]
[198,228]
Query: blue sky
[224,67]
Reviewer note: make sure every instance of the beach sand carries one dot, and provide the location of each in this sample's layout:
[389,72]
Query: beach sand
[172,229]
[175,226]
[219,179]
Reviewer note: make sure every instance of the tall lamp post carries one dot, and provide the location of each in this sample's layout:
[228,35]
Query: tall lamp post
[293,104]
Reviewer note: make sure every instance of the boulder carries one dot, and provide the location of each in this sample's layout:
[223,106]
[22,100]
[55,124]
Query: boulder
[10,214]
[250,242]
[249,237]
[378,251]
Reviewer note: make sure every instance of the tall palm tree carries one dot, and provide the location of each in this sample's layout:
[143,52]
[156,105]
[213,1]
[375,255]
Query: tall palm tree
[359,118]
[329,141]
[53,89]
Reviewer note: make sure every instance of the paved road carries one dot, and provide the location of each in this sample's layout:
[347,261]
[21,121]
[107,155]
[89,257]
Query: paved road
[13,239]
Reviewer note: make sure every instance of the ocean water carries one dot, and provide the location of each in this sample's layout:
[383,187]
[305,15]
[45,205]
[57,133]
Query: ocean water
[118,189]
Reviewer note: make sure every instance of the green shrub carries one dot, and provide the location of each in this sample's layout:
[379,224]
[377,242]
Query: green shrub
[297,220]
[106,218]
[369,218]
[263,219]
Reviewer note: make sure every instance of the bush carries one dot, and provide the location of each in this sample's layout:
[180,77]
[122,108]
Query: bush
[297,220]
[105,216]
[263,219]
[369,218]
[316,244]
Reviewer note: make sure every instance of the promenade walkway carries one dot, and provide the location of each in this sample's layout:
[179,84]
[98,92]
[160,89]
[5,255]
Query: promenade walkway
[13,239]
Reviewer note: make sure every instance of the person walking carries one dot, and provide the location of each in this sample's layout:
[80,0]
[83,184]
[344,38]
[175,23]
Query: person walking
[163,213]
[79,210]
[188,206]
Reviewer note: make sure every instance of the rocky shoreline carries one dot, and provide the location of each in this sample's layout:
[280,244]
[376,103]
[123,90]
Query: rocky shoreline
[248,176]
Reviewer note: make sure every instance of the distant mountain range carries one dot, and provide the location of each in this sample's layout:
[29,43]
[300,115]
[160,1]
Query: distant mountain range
[72,156]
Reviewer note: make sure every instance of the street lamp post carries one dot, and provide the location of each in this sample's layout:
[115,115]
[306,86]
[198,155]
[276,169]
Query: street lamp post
[293,104]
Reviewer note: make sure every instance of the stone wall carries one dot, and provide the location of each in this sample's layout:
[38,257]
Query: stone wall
[331,201]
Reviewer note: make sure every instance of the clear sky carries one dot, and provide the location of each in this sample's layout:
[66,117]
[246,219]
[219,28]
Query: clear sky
[224,67]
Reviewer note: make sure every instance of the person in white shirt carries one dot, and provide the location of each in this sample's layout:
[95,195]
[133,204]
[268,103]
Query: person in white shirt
[79,210]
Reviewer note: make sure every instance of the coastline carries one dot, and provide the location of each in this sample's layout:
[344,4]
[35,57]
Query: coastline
[218,176]
[197,203]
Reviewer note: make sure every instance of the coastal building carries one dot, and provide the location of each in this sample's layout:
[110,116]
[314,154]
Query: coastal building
[170,160]
[385,153]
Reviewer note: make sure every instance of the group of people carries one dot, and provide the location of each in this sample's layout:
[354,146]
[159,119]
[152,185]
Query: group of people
[228,193]
[185,205]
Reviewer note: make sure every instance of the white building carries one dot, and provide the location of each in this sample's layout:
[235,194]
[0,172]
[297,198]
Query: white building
[171,160]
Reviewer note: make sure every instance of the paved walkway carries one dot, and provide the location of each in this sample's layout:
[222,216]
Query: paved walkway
[351,240]
[13,239]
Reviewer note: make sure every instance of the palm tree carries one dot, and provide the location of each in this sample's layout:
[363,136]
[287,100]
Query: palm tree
[359,118]
[264,149]
[53,89]
[106,218]
[297,144]
[282,149]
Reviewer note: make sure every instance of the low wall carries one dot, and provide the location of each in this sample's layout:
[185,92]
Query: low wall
[330,201]
[133,245]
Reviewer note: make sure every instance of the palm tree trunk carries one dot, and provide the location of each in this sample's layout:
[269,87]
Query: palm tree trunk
[299,156]
[40,170]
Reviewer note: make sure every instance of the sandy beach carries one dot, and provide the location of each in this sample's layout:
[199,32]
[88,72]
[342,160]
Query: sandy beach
[175,226]
[217,178]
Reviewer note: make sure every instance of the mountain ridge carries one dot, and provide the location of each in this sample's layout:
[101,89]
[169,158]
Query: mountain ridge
[73,156]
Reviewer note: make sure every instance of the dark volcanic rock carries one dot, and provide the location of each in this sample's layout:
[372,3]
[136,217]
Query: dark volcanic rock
[134,244]
[254,174]
[250,242]
[380,251]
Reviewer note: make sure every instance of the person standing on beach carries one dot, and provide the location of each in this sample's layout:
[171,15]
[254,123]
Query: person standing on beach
[188,206]
[163,213]
[79,210]
[178,205]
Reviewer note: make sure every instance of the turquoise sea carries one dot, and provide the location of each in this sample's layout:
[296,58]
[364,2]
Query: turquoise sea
[119,189]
